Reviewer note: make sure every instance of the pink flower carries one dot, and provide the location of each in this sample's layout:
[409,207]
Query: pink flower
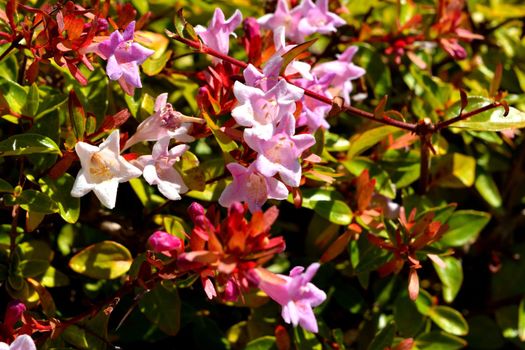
[314,111]
[158,168]
[251,187]
[165,122]
[217,35]
[163,242]
[263,110]
[343,71]
[124,57]
[303,20]
[295,294]
[316,18]
[280,154]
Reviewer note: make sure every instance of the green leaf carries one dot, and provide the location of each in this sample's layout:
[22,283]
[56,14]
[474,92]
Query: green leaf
[32,268]
[439,341]
[407,317]
[27,144]
[59,190]
[484,333]
[464,227]
[212,191]
[521,320]
[383,184]
[263,343]
[5,186]
[104,260]
[363,141]
[451,276]
[162,306]
[491,120]
[488,189]
[33,99]
[146,193]
[31,200]
[384,338]
[455,170]
[76,115]
[305,340]
[154,65]
[53,278]
[449,320]
[328,204]
[14,94]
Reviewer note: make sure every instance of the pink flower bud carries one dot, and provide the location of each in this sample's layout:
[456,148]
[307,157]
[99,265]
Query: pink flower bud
[195,209]
[161,242]
[15,309]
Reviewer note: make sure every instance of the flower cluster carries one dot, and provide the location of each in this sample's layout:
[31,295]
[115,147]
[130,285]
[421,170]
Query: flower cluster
[267,104]
[228,256]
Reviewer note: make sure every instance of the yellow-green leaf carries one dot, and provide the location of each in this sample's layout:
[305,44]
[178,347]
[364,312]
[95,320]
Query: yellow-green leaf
[103,260]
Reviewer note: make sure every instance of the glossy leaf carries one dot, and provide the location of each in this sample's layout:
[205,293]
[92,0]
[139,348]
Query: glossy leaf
[491,120]
[104,260]
[436,340]
[263,343]
[363,141]
[448,319]
[455,170]
[59,190]
[464,227]
[451,276]
[32,200]
[328,204]
[27,144]
[384,338]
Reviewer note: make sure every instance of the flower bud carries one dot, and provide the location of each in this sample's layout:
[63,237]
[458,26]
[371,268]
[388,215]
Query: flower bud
[161,241]
[15,309]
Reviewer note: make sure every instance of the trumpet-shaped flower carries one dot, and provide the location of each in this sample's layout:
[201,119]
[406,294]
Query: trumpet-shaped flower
[217,35]
[342,71]
[158,168]
[165,122]
[302,20]
[280,154]
[124,57]
[251,187]
[22,342]
[295,293]
[263,110]
[102,170]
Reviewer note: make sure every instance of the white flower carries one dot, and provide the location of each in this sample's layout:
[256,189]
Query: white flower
[102,170]
[22,342]
[158,168]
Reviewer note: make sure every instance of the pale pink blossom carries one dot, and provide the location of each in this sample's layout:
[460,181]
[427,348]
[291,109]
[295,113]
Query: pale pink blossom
[103,168]
[165,122]
[217,35]
[342,71]
[263,110]
[295,293]
[280,154]
[158,168]
[251,187]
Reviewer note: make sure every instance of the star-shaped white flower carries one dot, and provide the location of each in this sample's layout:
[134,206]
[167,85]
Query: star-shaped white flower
[103,168]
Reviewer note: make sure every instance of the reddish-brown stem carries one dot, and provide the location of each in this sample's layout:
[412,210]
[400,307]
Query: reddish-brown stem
[467,115]
[349,109]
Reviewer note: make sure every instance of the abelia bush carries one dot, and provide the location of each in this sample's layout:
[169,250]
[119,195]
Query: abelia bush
[303,174]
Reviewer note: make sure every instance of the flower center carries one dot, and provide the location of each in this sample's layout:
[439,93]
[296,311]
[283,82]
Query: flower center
[268,111]
[171,119]
[280,150]
[102,166]
[256,188]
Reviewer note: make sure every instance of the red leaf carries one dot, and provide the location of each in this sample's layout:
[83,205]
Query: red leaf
[114,121]
[10,9]
[63,164]
[282,338]
[74,26]
[336,248]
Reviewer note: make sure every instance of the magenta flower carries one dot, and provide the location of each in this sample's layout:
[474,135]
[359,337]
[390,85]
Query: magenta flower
[280,154]
[158,168]
[163,242]
[263,110]
[165,122]
[124,57]
[343,71]
[13,313]
[251,187]
[295,293]
[217,35]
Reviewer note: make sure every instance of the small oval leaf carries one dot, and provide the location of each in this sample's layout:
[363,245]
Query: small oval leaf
[103,260]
